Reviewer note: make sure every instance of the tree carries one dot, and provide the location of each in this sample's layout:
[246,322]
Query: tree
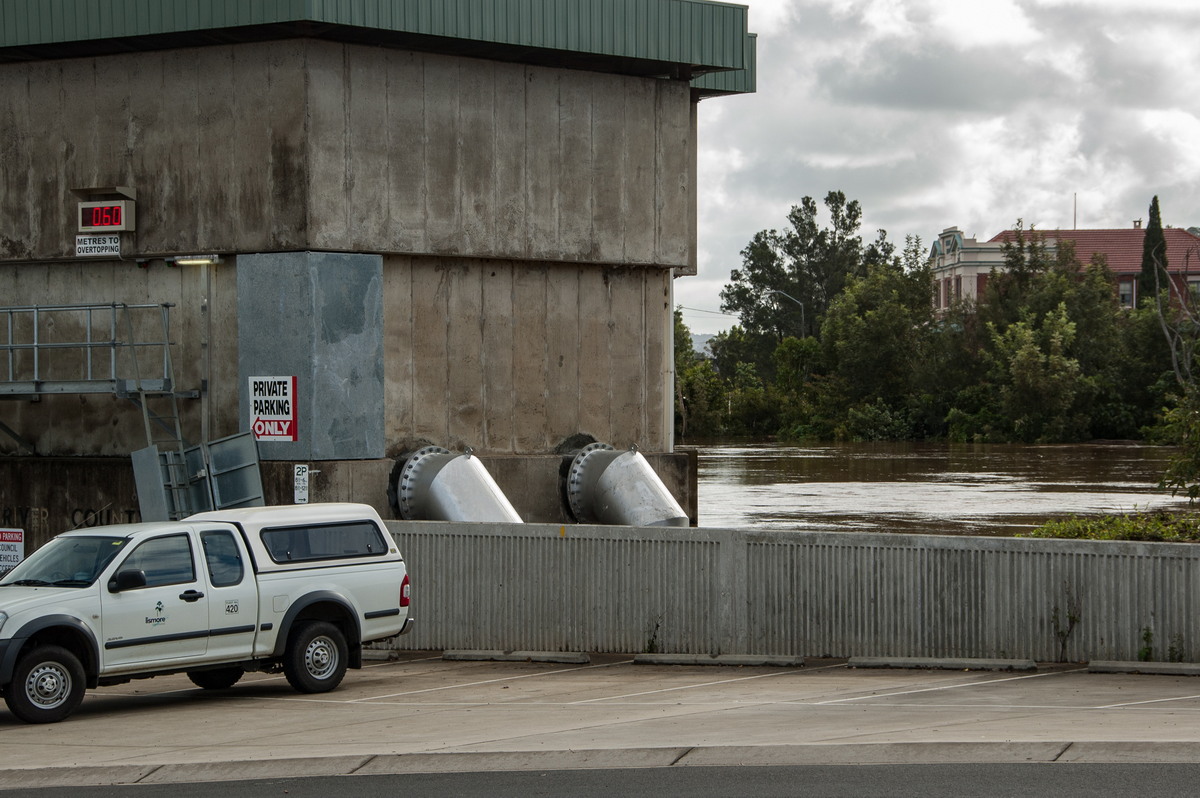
[699,392]
[1179,316]
[1102,378]
[1025,259]
[1181,425]
[685,358]
[1179,319]
[1038,379]
[1153,276]
[871,334]
[788,279]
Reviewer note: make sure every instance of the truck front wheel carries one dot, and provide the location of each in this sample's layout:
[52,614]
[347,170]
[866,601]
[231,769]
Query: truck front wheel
[316,657]
[47,685]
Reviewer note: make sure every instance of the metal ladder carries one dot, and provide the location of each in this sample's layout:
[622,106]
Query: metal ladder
[159,403]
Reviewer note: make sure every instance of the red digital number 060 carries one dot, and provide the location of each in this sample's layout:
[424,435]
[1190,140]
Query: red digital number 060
[105,216]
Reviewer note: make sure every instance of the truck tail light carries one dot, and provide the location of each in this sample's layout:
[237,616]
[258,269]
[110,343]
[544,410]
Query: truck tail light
[404,588]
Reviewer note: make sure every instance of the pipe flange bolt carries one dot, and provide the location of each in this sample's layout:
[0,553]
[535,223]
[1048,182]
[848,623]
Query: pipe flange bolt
[407,483]
[577,483]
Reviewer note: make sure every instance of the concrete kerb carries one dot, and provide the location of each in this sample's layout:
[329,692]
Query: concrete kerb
[718,659]
[950,664]
[704,756]
[1149,668]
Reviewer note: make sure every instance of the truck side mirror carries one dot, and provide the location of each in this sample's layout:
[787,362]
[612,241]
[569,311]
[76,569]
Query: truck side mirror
[127,580]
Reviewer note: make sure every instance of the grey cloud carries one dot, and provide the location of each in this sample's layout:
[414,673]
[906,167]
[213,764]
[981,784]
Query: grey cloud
[1137,71]
[982,80]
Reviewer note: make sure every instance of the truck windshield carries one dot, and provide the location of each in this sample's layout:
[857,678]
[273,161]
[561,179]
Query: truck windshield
[66,562]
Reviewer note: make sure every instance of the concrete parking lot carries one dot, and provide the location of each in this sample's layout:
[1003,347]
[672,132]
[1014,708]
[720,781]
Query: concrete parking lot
[422,713]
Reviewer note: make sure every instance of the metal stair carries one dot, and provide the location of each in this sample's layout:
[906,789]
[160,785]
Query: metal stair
[114,348]
[159,403]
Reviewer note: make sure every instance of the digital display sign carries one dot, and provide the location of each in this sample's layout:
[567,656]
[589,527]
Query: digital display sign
[109,216]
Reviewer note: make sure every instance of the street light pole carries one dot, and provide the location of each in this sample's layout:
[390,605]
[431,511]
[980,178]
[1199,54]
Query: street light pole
[803,326]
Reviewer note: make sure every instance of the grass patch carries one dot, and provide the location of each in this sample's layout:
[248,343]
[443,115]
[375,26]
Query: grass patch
[1159,527]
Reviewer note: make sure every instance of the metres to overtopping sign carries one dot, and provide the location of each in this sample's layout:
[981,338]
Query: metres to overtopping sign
[97,246]
[273,408]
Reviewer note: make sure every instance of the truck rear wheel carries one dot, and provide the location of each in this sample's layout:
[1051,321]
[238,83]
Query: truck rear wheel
[316,657]
[47,685]
[216,679]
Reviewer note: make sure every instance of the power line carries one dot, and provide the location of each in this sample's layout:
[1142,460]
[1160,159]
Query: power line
[713,312]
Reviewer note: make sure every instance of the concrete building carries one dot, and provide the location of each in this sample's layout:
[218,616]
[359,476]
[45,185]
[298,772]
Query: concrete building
[448,223]
[961,265]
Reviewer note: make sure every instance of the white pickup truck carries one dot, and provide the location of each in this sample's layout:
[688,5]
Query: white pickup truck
[296,589]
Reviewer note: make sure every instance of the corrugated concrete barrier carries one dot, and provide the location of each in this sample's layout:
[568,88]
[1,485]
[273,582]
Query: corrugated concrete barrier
[817,594]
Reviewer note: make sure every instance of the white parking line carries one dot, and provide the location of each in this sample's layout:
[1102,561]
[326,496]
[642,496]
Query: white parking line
[490,681]
[948,687]
[705,684]
[1151,701]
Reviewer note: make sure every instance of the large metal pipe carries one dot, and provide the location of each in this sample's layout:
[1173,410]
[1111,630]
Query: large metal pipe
[607,486]
[437,485]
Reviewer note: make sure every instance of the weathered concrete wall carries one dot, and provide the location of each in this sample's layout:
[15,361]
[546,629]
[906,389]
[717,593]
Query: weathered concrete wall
[455,156]
[317,145]
[580,184]
[507,357]
[529,220]
[213,139]
[105,425]
[511,357]
[48,495]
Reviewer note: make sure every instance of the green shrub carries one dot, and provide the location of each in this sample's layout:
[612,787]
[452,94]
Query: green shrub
[1158,527]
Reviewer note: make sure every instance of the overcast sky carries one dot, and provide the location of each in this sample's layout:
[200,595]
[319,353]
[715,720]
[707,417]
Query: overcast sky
[941,113]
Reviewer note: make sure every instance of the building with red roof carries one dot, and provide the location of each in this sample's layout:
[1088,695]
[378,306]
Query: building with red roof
[961,265]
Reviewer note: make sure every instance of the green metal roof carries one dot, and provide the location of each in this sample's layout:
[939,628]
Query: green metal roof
[673,38]
[737,81]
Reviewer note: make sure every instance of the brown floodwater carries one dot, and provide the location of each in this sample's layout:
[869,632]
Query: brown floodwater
[975,489]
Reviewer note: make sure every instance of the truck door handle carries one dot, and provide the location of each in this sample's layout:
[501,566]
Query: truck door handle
[191,595]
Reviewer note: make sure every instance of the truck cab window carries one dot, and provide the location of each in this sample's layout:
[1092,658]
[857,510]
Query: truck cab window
[221,554]
[166,561]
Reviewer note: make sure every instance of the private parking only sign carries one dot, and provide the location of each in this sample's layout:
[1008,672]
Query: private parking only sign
[273,408]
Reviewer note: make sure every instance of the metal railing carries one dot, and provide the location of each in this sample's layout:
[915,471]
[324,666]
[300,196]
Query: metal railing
[103,338]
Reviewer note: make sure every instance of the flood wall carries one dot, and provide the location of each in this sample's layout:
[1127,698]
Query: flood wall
[546,587]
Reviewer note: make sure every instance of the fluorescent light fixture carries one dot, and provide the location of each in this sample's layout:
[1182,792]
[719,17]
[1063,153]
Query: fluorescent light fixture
[195,260]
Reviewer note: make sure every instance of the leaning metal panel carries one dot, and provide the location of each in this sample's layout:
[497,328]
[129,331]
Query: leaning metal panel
[234,472]
[214,476]
[153,501]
